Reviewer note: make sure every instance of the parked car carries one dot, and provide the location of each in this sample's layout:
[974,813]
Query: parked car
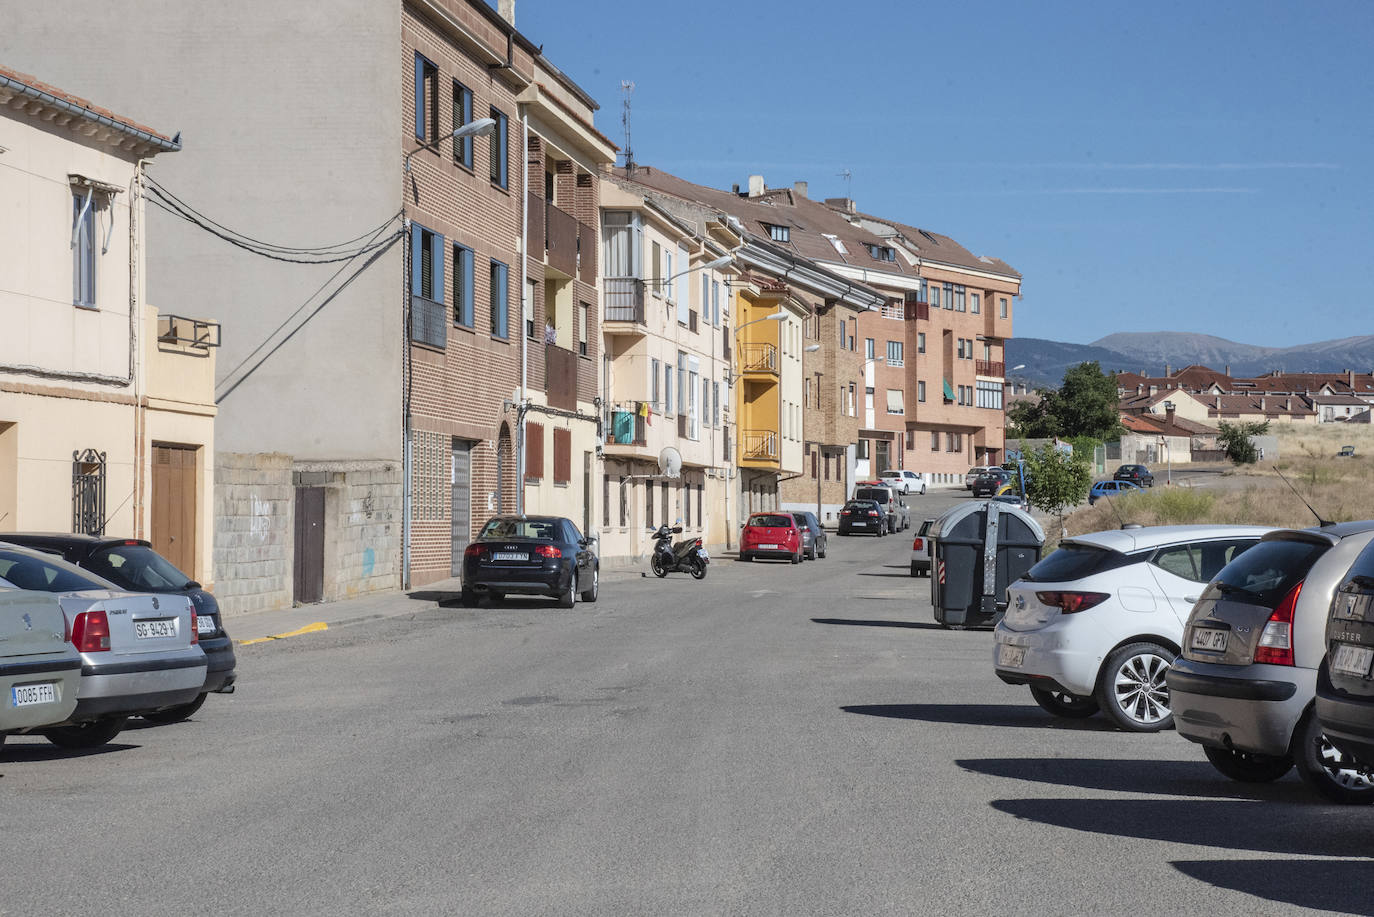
[531,555]
[813,535]
[132,564]
[40,671]
[1345,694]
[885,497]
[1096,624]
[974,472]
[1138,475]
[862,516]
[1111,489]
[772,534]
[904,482]
[1245,684]
[1013,499]
[990,482]
[920,550]
[140,653]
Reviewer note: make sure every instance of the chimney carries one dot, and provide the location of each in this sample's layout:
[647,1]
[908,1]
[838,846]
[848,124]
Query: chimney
[506,9]
[1288,404]
[1228,370]
[756,186]
[1261,404]
[799,188]
[1350,377]
[735,188]
[841,203]
[1154,390]
[1167,374]
[1168,414]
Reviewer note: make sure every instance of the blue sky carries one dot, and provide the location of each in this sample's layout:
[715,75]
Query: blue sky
[1199,166]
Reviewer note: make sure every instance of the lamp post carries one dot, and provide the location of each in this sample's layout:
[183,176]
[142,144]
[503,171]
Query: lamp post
[482,127]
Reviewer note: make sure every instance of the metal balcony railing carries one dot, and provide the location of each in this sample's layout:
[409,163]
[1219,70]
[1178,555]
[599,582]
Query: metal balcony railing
[624,299]
[193,332]
[990,368]
[759,358]
[759,445]
[626,428]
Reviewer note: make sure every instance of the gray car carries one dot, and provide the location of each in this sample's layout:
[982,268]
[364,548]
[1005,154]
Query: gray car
[39,670]
[139,652]
[1243,686]
[813,535]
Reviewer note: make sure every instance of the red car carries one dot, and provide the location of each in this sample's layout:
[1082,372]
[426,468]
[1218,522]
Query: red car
[771,535]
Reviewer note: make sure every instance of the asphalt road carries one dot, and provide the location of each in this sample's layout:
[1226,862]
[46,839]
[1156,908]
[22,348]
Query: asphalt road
[777,739]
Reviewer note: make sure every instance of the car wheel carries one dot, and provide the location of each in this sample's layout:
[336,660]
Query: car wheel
[496,598]
[174,714]
[656,564]
[568,597]
[797,558]
[915,571]
[1323,767]
[590,594]
[823,550]
[1131,688]
[86,735]
[1247,767]
[698,569]
[1062,703]
[923,490]
[468,598]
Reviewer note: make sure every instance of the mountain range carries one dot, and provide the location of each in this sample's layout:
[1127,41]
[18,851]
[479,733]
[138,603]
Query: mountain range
[1044,362]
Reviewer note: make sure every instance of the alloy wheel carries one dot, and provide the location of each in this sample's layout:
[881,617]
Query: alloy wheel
[1140,689]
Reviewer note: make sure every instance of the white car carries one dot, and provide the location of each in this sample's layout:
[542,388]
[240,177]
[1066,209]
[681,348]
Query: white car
[905,482]
[1096,624]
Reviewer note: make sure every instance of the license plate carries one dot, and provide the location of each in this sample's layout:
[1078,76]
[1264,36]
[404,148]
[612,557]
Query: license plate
[768,547]
[28,695]
[701,552]
[205,625]
[1011,656]
[860,525]
[1210,640]
[509,556]
[1352,660]
[163,627]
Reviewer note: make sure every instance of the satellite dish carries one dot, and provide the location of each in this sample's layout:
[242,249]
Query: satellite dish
[670,462]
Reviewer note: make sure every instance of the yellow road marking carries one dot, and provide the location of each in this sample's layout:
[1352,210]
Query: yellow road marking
[307,629]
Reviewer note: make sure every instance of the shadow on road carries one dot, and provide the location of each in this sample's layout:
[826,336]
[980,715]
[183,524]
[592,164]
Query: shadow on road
[861,622]
[19,754]
[444,597]
[1028,716]
[1328,885]
[1165,778]
[906,575]
[1309,829]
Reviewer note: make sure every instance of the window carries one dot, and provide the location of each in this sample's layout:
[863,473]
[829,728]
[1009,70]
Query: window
[653,385]
[895,404]
[934,295]
[681,382]
[427,313]
[990,395]
[853,408]
[920,342]
[462,114]
[656,269]
[920,391]
[869,352]
[606,501]
[500,151]
[861,452]
[562,455]
[500,300]
[83,249]
[667,389]
[934,441]
[534,451]
[949,297]
[1002,306]
[462,286]
[622,243]
[881,252]
[974,300]
[583,322]
[705,299]
[715,404]
[778,233]
[894,353]
[426,100]
[959,299]
[649,504]
[715,303]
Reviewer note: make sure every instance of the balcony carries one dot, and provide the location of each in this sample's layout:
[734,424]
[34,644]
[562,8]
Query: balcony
[759,445]
[624,298]
[560,240]
[917,310]
[560,377]
[994,368]
[187,332]
[627,428]
[759,358]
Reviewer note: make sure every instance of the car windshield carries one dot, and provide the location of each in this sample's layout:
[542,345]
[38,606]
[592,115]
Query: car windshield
[136,566]
[877,496]
[861,507]
[540,529]
[771,521]
[1264,574]
[23,571]
[1074,561]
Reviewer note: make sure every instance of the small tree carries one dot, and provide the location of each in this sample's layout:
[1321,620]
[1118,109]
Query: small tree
[1056,480]
[1238,440]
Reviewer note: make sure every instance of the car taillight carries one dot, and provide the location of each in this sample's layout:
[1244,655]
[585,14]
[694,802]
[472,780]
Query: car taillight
[548,550]
[195,631]
[873,512]
[917,544]
[1276,640]
[1070,602]
[474,550]
[844,512]
[91,632]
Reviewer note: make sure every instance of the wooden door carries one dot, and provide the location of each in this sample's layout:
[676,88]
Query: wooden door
[173,529]
[309,564]
[461,484]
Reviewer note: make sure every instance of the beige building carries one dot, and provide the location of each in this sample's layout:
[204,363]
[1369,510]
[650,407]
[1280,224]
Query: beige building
[106,407]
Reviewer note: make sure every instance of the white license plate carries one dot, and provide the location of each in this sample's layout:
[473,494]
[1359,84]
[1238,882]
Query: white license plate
[205,624]
[1011,656]
[701,552]
[1352,660]
[28,695]
[163,627]
[1210,640]
[768,547]
[506,555]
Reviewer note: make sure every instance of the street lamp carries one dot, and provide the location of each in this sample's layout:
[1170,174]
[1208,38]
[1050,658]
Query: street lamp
[723,261]
[731,376]
[482,127]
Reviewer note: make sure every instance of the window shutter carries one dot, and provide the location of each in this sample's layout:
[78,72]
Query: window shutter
[419,97]
[562,456]
[534,451]
[436,258]
[416,259]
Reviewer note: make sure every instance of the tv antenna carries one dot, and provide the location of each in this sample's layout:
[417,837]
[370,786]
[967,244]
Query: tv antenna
[846,175]
[627,88]
[1320,521]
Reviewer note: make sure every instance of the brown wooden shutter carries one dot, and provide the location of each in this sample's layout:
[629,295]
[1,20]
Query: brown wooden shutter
[534,451]
[562,456]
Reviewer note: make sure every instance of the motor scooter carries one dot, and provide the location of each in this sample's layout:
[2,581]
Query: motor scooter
[688,555]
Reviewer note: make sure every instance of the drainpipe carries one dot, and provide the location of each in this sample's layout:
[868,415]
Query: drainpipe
[520,326]
[405,404]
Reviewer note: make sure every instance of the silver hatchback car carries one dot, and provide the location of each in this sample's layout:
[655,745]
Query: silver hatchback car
[1244,685]
[139,652]
[39,669]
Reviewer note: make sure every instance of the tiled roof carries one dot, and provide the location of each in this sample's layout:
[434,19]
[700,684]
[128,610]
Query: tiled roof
[95,112]
[1197,379]
[936,247]
[1153,423]
[1268,405]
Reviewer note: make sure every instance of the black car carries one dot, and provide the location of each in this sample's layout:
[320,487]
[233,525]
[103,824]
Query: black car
[1138,475]
[989,482]
[131,563]
[531,555]
[1345,694]
[813,535]
[862,516]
